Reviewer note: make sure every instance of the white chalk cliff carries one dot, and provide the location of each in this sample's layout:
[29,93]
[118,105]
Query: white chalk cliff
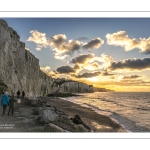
[20,69]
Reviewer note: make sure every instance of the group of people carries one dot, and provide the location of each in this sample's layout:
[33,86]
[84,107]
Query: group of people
[18,94]
[7,100]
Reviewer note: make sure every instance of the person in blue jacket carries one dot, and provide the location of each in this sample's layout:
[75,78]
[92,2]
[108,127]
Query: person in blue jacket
[4,102]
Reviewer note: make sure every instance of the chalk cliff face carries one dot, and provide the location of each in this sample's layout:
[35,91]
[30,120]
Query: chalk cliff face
[20,70]
[75,87]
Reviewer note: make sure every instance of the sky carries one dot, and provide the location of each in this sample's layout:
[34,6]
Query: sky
[112,53]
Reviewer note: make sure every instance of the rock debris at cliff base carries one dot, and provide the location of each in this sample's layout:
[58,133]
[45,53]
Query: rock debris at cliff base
[46,114]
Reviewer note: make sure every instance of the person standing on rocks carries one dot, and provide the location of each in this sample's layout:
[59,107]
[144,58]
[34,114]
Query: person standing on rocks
[4,102]
[18,93]
[23,94]
[11,104]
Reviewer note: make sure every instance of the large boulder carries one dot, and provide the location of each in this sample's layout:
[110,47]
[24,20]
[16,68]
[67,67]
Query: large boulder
[47,116]
[78,121]
[55,120]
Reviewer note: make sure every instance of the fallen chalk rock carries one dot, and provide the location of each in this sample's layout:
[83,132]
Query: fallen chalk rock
[54,120]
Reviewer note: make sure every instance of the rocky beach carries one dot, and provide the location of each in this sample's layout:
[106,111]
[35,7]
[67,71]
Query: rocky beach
[20,69]
[52,114]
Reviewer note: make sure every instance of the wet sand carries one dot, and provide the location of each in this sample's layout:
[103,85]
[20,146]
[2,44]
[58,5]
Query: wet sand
[97,122]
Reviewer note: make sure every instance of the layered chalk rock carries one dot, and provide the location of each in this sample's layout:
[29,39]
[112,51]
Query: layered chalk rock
[19,68]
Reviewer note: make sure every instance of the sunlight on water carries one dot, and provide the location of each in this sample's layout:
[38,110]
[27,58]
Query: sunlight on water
[132,110]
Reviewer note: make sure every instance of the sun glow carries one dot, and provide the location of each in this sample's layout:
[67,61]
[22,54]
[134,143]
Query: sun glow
[94,79]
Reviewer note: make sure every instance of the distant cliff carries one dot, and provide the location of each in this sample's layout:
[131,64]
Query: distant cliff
[96,89]
[76,87]
[62,85]
[20,70]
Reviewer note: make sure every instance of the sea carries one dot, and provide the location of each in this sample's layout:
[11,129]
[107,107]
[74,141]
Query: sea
[130,109]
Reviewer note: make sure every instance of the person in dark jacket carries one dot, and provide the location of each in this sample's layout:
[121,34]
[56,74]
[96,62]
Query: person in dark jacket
[23,94]
[11,104]
[4,102]
[18,93]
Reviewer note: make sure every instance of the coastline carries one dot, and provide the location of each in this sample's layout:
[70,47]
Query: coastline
[97,122]
[23,119]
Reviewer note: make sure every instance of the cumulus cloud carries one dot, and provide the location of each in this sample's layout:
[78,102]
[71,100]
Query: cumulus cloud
[45,69]
[88,75]
[58,41]
[69,49]
[122,39]
[91,66]
[65,69]
[60,45]
[95,65]
[93,44]
[106,74]
[92,62]
[131,77]
[38,38]
[86,61]
[105,58]
[77,68]
[131,64]
[48,71]
[98,62]
[105,61]
[81,62]
[81,59]
[60,55]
